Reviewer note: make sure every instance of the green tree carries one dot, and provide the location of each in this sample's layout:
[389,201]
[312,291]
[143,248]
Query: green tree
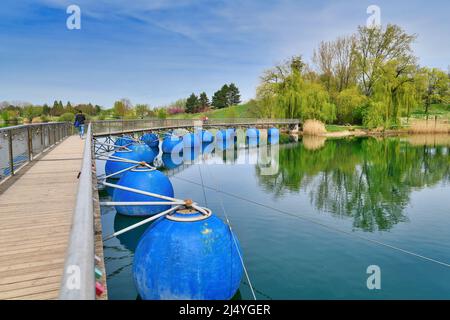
[233,95]
[57,109]
[373,115]
[161,113]
[204,101]
[45,109]
[435,84]
[192,104]
[349,104]
[121,108]
[220,98]
[141,110]
[30,112]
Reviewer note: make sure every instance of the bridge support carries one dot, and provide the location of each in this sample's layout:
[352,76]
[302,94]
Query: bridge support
[293,128]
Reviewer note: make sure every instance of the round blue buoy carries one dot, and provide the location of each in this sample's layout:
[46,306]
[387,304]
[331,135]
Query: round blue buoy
[144,179]
[273,139]
[170,162]
[115,165]
[273,132]
[224,139]
[223,135]
[150,139]
[252,136]
[143,152]
[191,140]
[172,143]
[207,136]
[196,260]
[123,141]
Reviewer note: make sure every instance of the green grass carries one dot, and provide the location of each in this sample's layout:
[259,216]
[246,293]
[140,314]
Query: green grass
[239,111]
[339,128]
[440,110]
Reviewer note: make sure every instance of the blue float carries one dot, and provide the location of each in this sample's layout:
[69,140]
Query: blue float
[252,136]
[273,139]
[273,132]
[143,152]
[222,135]
[197,260]
[144,179]
[150,139]
[123,141]
[171,161]
[224,140]
[115,165]
[172,143]
[191,140]
[207,136]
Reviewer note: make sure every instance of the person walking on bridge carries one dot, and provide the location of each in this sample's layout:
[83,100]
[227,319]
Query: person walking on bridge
[79,123]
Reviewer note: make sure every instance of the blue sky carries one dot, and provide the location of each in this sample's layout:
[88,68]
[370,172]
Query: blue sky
[158,51]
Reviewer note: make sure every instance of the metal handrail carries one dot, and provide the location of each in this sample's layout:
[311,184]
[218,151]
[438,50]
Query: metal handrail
[126,126]
[22,126]
[78,281]
[54,131]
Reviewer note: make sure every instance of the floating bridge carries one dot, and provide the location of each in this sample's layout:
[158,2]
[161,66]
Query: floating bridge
[50,226]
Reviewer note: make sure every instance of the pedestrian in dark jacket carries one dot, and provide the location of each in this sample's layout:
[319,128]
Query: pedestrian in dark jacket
[79,123]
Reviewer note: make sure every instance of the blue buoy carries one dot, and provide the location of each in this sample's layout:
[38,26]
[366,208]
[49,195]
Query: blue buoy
[144,179]
[273,132]
[171,161]
[207,136]
[197,260]
[114,165]
[172,143]
[123,141]
[273,139]
[252,136]
[150,139]
[191,140]
[222,135]
[143,152]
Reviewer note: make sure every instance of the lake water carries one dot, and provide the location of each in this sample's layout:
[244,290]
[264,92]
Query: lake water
[312,222]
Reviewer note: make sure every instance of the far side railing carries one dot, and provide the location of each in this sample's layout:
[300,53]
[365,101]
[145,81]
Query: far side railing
[107,127]
[21,144]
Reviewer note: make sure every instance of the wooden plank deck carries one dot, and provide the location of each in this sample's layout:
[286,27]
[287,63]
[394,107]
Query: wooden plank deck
[35,220]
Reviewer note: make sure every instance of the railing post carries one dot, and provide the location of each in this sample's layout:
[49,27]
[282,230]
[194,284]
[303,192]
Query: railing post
[30,143]
[11,154]
[42,138]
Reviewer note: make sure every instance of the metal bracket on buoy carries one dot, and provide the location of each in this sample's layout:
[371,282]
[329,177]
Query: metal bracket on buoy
[187,212]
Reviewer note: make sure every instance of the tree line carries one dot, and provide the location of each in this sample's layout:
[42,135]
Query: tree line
[228,95]
[12,112]
[371,78]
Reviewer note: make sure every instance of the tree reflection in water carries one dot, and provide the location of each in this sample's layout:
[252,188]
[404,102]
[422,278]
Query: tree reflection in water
[367,179]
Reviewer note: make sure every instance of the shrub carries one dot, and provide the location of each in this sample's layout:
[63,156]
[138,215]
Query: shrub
[372,115]
[67,117]
[314,127]
[429,126]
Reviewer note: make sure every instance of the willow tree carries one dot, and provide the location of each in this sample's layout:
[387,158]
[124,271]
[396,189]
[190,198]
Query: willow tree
[288,91]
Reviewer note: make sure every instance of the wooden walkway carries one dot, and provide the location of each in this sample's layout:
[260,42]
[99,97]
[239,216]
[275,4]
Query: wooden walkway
[35,220]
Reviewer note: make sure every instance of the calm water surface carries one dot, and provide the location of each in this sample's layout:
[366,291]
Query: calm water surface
[312,221]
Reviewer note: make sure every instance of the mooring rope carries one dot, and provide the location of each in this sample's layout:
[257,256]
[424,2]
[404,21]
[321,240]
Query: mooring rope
[325,225]
[234,239]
